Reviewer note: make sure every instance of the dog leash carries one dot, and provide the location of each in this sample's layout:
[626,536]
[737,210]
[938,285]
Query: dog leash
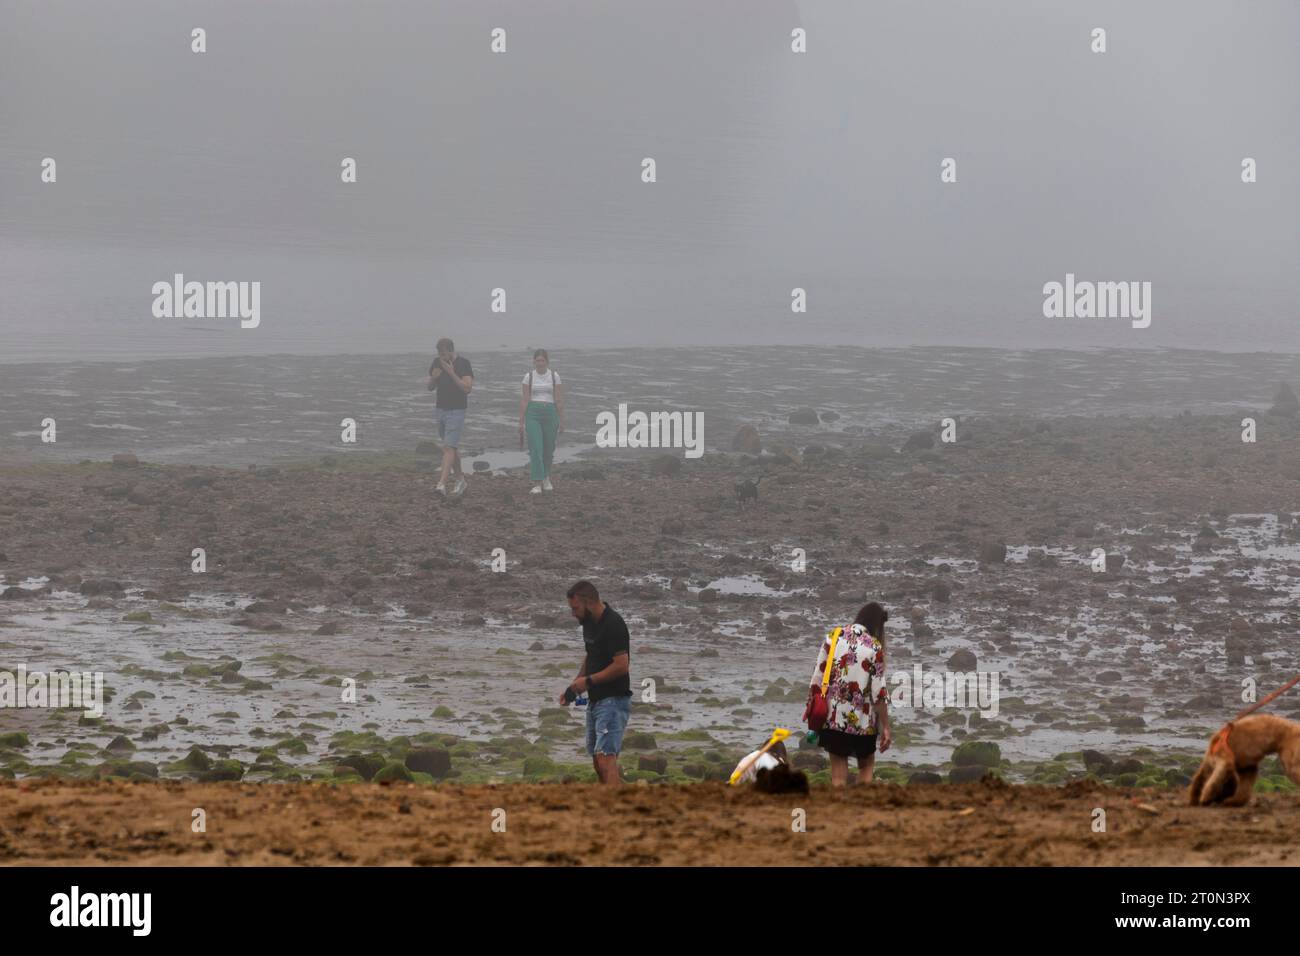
[1220,742]
[1254,707]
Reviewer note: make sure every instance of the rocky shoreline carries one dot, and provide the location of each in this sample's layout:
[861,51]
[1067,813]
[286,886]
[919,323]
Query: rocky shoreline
[982,548]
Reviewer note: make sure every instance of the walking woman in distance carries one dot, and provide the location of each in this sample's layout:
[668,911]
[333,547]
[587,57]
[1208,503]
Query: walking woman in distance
[541,416]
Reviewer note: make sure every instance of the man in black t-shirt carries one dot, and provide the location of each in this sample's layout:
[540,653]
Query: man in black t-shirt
[453,378]
[603,677]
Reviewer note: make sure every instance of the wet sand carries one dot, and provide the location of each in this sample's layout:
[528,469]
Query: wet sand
[983,824]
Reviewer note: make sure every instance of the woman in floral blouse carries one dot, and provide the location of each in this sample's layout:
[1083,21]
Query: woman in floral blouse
[857,697]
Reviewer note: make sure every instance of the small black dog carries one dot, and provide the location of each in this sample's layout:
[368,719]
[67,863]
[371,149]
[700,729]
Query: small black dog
[781,779]
[747,489]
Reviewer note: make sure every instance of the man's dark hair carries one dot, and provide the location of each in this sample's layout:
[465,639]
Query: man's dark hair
[585,590]
[873,618]
[445,345]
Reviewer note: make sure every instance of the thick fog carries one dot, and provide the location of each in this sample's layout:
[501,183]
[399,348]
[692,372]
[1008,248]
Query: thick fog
[522,171]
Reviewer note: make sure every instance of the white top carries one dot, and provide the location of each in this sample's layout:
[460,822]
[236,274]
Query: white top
[764,762]
[543,385]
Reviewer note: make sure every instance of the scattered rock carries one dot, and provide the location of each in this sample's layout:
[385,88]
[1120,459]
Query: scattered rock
[101,586]
[983,753]
[258,622]
[1097,762]
[1285,401]
[435,761]
[747,440]
[962,660]
[655,763]
[967,773]
[665,466]
[919,441]
[365,765]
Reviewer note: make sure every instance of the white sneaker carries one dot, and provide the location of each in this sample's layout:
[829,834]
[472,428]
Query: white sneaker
[546,484]
[441,489]
[535,490]
[459,487]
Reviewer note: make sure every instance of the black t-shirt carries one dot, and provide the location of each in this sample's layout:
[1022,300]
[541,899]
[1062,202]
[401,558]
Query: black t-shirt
[451,395]
[604,639]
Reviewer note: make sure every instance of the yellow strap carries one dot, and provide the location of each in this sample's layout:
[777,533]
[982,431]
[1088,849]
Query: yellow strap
[830,658]
[777,735]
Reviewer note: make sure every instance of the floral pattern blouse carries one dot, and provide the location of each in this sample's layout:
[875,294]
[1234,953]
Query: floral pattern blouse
[857,680]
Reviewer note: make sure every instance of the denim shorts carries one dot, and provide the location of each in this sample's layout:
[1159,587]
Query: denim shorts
[606,721]
[451,421]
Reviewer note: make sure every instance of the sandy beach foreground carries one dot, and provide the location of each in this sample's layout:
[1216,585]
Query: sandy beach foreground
[988,823]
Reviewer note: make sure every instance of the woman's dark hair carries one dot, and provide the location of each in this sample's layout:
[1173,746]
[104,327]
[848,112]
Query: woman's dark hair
[543,353]
[873,618]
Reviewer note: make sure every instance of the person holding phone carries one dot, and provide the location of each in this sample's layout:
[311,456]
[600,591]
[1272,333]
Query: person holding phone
[541,418]
[452,377]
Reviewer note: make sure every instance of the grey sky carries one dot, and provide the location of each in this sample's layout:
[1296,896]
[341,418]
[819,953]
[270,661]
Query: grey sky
[522,171]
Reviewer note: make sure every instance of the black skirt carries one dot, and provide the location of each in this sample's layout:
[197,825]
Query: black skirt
[846,745]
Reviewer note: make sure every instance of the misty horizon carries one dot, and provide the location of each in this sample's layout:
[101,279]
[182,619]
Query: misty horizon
[775,171]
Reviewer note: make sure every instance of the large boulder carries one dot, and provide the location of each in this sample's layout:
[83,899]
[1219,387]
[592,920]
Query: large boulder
[435,761]
[804,416]
[983,753]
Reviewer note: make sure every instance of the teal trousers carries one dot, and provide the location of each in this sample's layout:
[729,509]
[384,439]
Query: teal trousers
[542,423]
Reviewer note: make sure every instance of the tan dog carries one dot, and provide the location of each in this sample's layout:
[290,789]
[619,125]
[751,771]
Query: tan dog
[1227,774]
